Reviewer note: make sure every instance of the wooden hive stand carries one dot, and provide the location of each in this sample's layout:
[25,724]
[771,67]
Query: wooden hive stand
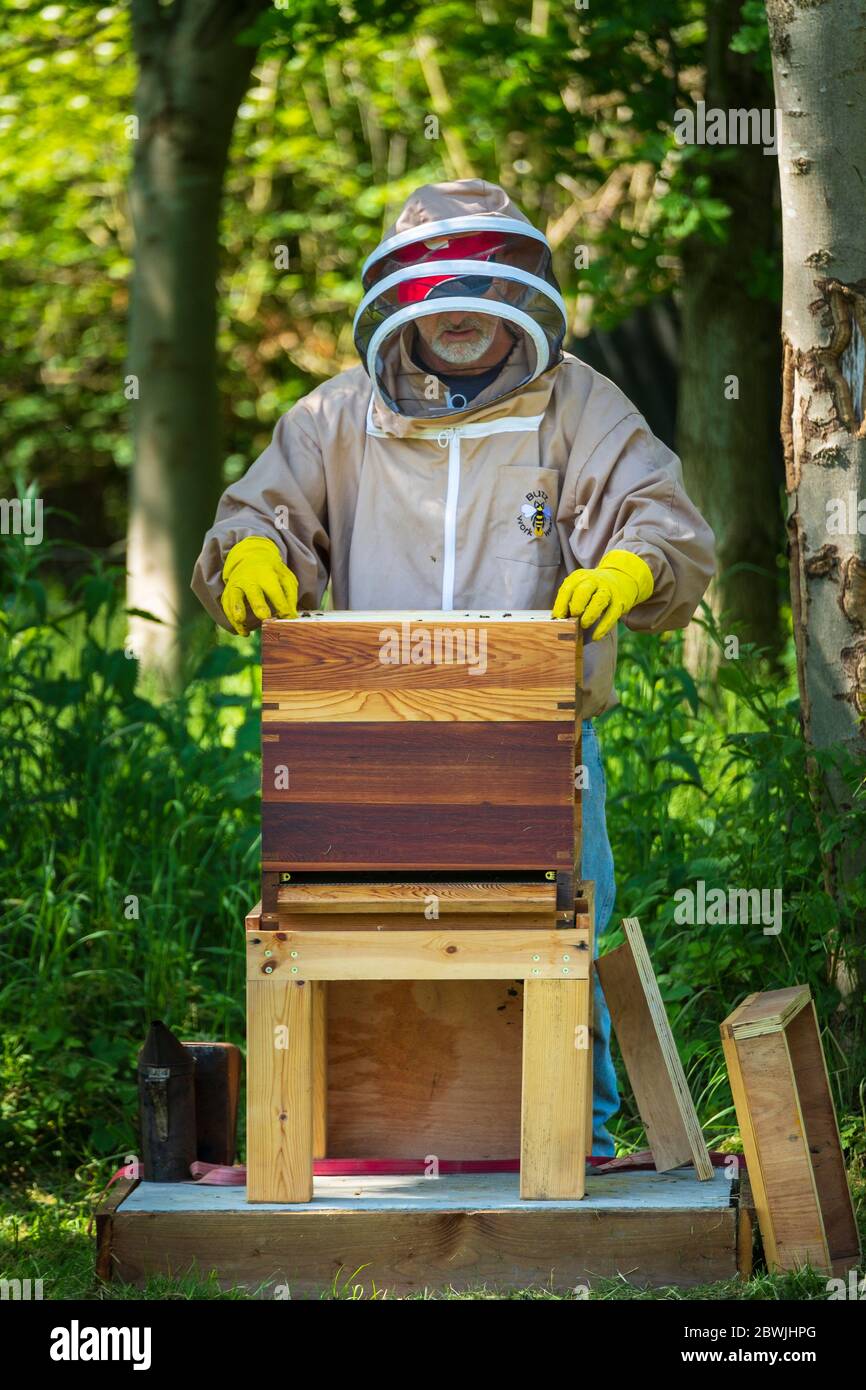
[421,855]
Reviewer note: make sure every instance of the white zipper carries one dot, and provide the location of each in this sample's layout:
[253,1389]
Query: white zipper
[475,429]
[450,550]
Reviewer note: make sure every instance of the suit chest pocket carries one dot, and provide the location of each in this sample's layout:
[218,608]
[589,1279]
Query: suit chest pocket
[526,502]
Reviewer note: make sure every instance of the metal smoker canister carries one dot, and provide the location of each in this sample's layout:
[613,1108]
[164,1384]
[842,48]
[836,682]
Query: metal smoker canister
[166,1098]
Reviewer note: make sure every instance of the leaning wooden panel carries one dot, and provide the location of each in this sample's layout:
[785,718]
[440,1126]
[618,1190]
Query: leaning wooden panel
[650,1055]
[438,954]
[279,1091]
[556,1078]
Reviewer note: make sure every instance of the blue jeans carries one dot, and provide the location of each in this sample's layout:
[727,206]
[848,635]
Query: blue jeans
[598,866]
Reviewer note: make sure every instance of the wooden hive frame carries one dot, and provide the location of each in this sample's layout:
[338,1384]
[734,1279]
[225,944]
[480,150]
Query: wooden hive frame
[790,1136]
[388,784]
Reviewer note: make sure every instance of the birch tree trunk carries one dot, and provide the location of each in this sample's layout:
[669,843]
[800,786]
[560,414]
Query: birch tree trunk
[192,75]
[819,66]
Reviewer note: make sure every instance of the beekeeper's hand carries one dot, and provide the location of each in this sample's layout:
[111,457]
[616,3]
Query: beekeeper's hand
[608,592]
[254,575]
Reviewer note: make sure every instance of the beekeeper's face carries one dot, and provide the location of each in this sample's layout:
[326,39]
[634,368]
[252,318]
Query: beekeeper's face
[460,337]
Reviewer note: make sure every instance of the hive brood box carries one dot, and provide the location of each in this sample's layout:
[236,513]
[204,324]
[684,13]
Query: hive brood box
[401,741]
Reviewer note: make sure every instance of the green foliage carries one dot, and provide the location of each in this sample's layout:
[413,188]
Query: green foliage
[128,855]
[574,115]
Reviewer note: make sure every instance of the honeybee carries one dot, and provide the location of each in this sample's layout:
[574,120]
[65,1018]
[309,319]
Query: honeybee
[537,515]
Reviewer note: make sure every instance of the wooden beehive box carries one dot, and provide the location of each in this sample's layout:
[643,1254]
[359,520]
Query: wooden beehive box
[442,741]
[406,755]
[787,1120]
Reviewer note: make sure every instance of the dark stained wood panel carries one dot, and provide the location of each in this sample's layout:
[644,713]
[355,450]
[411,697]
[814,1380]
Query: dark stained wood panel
[505,764]
[328,835]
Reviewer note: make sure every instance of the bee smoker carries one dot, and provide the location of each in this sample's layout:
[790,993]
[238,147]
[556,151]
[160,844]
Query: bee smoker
[166,1096]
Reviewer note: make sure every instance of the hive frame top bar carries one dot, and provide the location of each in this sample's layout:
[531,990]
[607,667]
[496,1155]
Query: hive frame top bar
[413,615]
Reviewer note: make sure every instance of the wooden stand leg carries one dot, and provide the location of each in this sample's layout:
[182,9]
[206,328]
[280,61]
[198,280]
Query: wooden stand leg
[555,1081]
[279,1091]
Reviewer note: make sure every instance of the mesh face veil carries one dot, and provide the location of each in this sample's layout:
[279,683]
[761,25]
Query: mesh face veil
[472,265]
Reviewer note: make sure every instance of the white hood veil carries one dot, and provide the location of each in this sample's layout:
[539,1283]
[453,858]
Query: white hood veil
[461,246]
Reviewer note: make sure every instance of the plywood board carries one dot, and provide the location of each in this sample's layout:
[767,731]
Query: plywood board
[420,1068]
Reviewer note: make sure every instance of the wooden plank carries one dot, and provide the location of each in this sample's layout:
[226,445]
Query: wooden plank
[824,1146]
[111,1201]
[650,1055]
[424,1068]
[320,1068]
[746,1216]
[448,898]
[438,954]
[517,764]
[556,1077]
[444,652]
[406,705]
[475,1240]
[750,1145]
[337,835]
[409,921]
[768,1011]
[789,1211]
[279,1090]
[482,920]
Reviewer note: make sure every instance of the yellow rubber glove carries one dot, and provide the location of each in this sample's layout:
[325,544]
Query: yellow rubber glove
[612,590]
[254,574]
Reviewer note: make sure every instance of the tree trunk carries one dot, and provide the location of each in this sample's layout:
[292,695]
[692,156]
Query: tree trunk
[192,75]
[819,66]
[729,442]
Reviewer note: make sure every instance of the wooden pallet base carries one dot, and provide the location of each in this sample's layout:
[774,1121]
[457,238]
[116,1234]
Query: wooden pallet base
[409,1233]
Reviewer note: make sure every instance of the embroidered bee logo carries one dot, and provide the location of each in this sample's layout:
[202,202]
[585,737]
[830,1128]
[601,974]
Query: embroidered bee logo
[535,518]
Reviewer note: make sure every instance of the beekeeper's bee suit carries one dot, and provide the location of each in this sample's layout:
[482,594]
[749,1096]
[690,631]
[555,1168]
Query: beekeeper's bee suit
[406,495]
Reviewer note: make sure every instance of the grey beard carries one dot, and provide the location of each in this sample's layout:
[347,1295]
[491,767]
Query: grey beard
[465,353]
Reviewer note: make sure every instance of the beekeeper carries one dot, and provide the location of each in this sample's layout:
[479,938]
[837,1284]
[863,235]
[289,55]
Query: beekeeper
[469,463]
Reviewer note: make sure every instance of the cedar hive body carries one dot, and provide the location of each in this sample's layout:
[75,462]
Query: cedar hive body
[403,741]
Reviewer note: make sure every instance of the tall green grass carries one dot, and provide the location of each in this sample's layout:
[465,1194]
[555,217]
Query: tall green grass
[129,849]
